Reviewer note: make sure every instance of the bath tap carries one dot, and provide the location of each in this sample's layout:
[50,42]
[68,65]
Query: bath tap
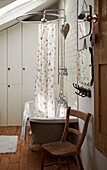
[61,100]
[65,104]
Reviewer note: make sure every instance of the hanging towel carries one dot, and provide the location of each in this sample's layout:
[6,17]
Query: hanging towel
[84,66]
[26,115]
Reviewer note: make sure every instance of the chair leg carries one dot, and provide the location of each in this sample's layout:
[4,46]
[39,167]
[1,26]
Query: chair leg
[59,163]
[42,161]
[68,162]
[80,162]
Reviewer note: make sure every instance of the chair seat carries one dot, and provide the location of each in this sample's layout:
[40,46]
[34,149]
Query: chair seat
[60,148]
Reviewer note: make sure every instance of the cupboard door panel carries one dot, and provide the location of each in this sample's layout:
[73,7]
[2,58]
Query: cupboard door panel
[103,99]
[29,52]
[14,54]
[14,105]
[3,57]
[100,76]
[3,105]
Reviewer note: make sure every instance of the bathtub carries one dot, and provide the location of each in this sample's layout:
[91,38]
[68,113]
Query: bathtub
[45,130]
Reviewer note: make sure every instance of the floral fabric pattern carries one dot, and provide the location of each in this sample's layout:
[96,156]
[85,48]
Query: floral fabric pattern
[45,72]
[84,66]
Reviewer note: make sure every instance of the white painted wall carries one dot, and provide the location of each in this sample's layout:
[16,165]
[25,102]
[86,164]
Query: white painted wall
[66,82]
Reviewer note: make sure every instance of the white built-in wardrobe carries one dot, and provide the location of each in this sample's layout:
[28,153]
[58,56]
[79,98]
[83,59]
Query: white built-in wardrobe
[18,50]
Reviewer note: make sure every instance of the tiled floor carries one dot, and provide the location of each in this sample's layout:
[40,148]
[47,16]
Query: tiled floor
[24,159]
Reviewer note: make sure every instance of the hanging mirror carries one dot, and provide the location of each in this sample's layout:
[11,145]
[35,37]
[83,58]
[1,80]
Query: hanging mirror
[84,27]
[85,66]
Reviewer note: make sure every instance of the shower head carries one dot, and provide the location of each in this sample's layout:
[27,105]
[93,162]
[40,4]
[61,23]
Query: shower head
[44,20]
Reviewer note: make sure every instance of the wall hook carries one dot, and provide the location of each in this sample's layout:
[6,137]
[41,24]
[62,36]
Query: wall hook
[83,92]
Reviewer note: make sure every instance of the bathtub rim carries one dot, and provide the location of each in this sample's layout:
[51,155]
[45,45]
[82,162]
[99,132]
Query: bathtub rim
[46,120]
[52,120]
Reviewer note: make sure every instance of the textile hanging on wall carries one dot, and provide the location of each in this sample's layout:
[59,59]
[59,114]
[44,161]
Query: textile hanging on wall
[45,71]
[81,29]
[84,66]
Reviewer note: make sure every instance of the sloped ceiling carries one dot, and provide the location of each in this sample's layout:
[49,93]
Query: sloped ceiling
[4,3]
[41,6]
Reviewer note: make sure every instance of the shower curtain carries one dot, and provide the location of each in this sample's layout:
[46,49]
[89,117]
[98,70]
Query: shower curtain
[45,71]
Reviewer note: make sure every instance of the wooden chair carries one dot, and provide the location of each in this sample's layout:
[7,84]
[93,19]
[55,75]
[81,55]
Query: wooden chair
[64,148]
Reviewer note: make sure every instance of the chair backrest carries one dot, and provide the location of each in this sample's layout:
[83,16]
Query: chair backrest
[85,117]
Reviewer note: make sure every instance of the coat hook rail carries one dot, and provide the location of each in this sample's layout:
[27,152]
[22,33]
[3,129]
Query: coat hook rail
[81,91]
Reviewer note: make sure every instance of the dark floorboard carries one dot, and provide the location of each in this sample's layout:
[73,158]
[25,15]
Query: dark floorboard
[25,159]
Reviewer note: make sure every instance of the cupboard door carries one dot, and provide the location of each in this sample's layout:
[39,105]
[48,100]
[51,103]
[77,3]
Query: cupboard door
[14,54]
[3,57]
[3,105]
[29,52]
[30,40]
[14,105]
[100,76]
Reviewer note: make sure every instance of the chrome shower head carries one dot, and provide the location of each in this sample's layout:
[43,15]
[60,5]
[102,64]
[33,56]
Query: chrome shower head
[44,18]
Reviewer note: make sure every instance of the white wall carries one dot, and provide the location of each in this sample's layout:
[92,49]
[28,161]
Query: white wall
[66,82]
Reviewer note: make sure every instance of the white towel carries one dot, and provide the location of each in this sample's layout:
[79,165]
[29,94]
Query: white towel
[28,112]
[26,115]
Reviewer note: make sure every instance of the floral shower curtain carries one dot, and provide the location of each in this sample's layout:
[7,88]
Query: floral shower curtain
[45,71]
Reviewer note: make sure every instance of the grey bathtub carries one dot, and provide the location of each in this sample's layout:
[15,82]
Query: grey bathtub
[45,130]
